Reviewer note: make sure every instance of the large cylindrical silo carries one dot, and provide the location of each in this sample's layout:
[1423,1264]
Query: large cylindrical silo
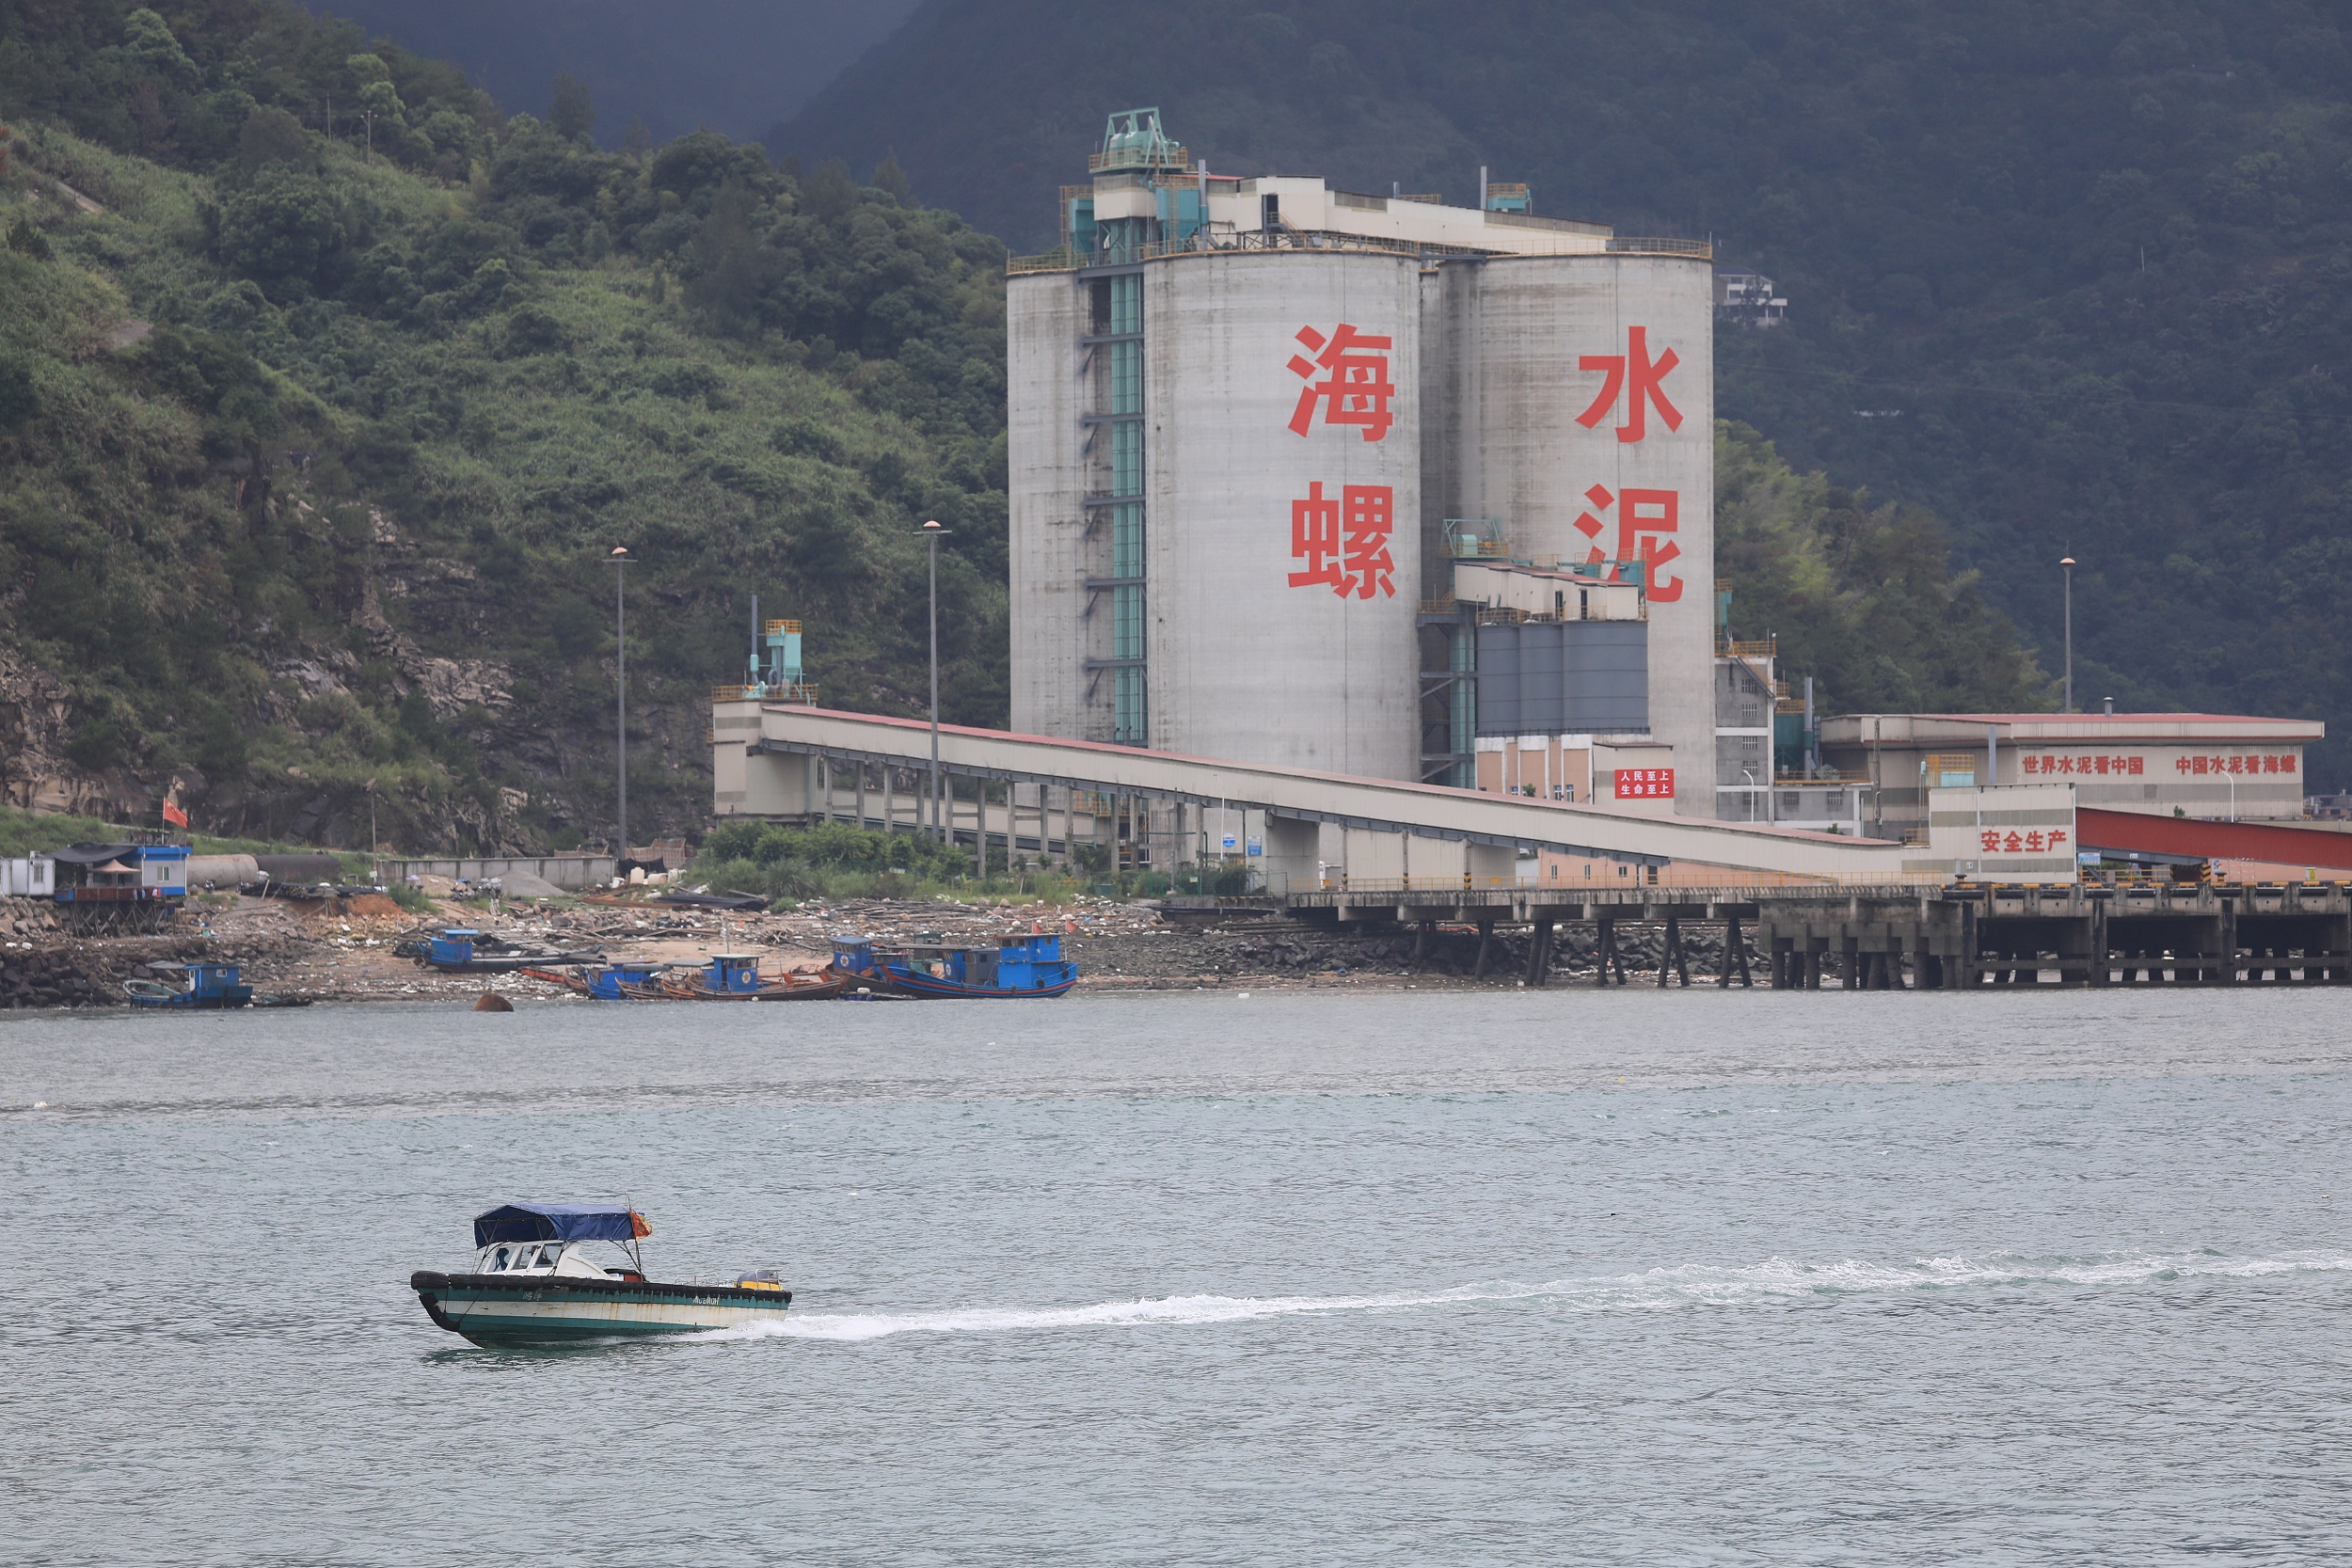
[1579,410]
[1283,558]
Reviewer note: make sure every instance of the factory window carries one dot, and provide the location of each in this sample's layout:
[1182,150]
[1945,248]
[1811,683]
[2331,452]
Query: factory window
[1127,458]
[1126,302]
[1789,800]
[1834,803]
[1126,378]
[1269,210]
[1098,303]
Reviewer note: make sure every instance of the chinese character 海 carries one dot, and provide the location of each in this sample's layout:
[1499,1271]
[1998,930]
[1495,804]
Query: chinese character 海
[1638,376]
[1355,388]
[1644,516]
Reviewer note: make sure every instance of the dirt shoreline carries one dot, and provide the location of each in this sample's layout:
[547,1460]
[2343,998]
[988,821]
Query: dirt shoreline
[342,950]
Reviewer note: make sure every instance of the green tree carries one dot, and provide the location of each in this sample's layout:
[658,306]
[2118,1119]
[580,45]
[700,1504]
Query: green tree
[571,112]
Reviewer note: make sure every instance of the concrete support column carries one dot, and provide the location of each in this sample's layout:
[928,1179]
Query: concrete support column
[1814,948]
[2226,928]
[1539,953]
[1850,951]
[1422,931]
[1485,939]
[2099,942]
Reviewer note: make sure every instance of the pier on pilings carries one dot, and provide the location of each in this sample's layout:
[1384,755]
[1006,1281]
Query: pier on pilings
[1898,938]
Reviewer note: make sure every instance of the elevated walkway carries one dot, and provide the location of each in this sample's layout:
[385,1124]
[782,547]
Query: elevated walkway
[766,757]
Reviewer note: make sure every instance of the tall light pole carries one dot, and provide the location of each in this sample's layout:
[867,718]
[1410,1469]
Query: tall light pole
[932,531]
[620,699]
[2068,564]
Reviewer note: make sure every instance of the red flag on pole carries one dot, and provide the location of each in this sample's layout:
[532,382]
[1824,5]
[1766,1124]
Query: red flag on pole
[173,816]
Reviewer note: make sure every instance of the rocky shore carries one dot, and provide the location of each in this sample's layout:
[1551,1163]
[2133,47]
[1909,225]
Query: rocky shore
[342,950]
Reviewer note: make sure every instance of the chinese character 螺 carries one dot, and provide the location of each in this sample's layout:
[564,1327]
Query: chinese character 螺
[1355,388]
[1367,510]
[1315,540]
[2286,763]
[1636,375]
[1645,515]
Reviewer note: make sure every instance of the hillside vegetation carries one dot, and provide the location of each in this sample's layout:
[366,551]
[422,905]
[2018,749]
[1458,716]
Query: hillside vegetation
[316,435]
[327,389]
[2068,275]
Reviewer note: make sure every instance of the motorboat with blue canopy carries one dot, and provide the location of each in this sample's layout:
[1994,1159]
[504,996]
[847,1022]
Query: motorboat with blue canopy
[535,1281]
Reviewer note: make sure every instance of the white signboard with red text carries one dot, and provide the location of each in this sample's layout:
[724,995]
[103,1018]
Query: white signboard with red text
[2003,834]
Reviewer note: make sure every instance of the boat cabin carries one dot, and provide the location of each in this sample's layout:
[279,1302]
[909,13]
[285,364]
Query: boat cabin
[454,945]
[855,955]
[605,984]
[206,982]
[1031,961]
[571,1258]
[551,1238]
[732,972]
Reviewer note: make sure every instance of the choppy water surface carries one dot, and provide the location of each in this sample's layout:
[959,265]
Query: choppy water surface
[1556,1276]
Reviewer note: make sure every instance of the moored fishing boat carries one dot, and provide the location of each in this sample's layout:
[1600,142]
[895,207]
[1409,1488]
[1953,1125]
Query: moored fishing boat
[208,985]
[736,977]
[535,1281]
[1026,966]
[462,950]
[615,982]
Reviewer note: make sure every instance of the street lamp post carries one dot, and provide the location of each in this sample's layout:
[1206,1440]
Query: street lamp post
[2068,565]
[620,559]
[932,531]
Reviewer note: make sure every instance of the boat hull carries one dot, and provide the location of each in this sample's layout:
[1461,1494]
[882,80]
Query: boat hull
[916,984]
[493,1310]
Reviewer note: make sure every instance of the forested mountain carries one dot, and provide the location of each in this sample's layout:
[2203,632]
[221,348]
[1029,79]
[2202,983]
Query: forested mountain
[326,389]
[2070,275]
[673,66]
[316,435]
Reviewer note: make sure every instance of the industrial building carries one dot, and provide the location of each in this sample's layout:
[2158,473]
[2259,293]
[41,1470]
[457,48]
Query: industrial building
[2197,764]
[1369,484]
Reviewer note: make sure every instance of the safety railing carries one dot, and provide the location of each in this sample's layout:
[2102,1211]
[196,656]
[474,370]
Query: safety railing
[804,694]
[1629,245]
[1635,878]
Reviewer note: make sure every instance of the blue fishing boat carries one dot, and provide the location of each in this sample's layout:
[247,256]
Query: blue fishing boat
[535,1280]
[206,986]
[1026,966]
[624,981]
[461,950]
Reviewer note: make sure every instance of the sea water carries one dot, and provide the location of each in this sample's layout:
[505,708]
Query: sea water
[1570,1275]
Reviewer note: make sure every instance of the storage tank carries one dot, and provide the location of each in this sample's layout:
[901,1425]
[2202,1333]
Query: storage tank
[1046,516]
[1578,398]
[222,871]
[1282,552]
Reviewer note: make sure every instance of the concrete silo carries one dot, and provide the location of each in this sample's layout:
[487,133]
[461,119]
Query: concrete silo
[1283,555]
[1572,400]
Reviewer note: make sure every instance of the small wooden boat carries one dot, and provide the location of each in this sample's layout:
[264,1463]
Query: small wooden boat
[535,1280]
[208,985]
[736,977]
[615,982]
[1026,966]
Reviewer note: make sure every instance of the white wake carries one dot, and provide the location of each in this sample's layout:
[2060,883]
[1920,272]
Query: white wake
[1652,1290]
